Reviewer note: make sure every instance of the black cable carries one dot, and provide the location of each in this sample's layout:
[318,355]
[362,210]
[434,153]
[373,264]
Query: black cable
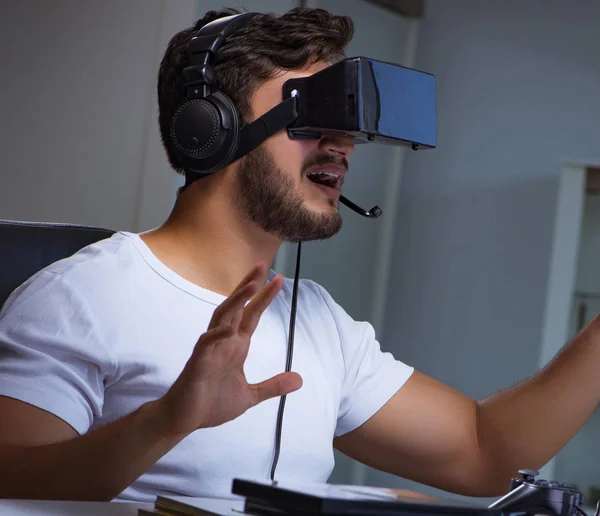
[584,513]
[288,362]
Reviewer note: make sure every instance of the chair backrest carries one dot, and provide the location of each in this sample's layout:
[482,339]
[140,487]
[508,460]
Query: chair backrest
[28,247]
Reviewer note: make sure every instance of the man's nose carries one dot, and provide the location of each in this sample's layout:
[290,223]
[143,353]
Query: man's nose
[339,145]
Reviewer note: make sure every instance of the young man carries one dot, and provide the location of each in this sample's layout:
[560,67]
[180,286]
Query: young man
[151,364]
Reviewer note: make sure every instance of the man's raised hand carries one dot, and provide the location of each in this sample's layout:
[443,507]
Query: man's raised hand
[212,389]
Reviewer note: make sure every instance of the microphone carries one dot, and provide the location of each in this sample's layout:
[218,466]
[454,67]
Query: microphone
[373,213]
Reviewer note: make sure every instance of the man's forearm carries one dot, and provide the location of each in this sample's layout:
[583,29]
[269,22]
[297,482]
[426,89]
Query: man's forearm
[95,466]
[527,425]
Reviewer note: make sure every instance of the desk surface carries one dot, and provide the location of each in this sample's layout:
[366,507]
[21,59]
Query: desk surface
[57,508]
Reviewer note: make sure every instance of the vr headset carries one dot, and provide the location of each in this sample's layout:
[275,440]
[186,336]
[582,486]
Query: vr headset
[369,100]
[359,98]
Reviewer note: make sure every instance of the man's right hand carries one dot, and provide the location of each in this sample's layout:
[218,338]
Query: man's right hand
[42,457]
[212,389]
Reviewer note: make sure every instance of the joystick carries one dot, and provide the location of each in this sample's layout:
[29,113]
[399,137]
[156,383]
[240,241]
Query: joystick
[527,475]
[540,497]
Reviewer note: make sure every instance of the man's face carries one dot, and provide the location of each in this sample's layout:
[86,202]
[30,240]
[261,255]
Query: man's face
[291,188]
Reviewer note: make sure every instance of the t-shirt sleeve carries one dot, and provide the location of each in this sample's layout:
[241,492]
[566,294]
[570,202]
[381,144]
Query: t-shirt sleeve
[51,354]
[372,376]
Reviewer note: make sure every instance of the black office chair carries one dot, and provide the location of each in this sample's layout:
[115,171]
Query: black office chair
[28,247]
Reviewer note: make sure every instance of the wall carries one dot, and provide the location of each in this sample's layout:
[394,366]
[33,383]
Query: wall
[517,92]
[78,110]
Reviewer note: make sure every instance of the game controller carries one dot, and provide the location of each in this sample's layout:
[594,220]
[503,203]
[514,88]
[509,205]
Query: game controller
[533,496]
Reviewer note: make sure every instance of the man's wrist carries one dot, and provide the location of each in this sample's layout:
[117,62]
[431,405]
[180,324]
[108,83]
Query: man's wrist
[156,423]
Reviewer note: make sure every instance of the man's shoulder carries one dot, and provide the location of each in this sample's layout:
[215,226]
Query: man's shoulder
[94,267]
[312,296]
[103,258]
[317,304]
[306,288]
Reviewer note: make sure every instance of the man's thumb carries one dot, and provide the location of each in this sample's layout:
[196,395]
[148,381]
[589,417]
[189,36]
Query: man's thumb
[279,385]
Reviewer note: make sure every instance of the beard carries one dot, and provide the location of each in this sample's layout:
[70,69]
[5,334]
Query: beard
[268,197]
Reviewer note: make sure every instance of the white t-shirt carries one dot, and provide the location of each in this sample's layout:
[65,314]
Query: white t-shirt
[93,337]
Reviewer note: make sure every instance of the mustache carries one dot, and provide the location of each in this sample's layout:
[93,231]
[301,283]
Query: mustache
[325,159]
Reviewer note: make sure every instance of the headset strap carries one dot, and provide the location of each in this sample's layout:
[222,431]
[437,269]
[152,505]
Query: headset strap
[273,121]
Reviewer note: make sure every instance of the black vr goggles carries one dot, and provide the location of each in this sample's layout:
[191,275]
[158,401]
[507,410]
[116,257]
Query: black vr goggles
[368,100]
[359,98]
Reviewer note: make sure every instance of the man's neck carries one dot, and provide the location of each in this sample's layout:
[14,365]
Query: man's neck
[208,242]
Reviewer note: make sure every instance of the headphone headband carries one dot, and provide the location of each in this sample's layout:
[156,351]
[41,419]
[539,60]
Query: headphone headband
[212,36]
[207,42]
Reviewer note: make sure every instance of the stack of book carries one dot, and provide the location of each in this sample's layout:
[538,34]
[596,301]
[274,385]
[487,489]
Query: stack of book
[265,498]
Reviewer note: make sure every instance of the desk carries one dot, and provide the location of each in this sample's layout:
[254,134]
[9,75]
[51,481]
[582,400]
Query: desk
[59,508]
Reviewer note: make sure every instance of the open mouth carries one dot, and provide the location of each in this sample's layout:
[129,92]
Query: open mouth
[329,182]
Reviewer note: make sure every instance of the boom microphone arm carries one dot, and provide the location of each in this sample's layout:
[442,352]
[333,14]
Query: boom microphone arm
[373,213]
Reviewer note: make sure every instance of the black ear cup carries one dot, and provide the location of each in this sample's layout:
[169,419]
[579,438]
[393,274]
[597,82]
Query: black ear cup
[196,128]
[205,129]
[205,132]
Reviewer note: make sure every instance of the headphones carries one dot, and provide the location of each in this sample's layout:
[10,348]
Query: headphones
[206,127]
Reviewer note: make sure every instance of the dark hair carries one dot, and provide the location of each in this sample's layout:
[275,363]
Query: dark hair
[253,54]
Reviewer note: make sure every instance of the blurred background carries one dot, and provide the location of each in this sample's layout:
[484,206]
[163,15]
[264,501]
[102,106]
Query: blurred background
[486,259]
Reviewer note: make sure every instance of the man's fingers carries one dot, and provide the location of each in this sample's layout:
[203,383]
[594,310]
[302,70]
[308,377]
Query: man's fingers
[258,271]
[208,339]
[279,385]
[226,312]
[215,335]
[256,307]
